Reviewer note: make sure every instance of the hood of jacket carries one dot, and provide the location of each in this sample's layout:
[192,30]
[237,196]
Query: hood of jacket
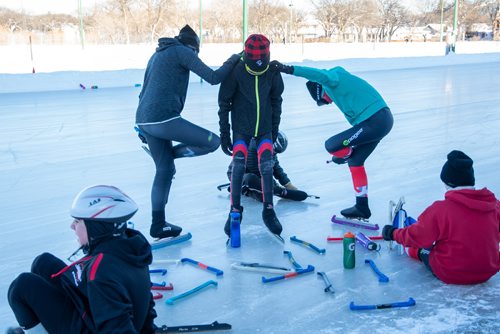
[478,200]
[166,42]
[133,248]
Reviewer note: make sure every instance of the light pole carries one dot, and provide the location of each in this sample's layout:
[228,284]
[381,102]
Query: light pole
[441,27]
[291,21]
[245,21]
[455,32]
[82,34]
[201,23]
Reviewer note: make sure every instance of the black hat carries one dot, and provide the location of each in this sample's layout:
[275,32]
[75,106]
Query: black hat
[457,170]
[317,93]
[188,37]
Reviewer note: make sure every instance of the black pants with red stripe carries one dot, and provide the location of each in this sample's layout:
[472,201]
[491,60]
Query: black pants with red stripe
[363,137]
[264,145]
[37,298]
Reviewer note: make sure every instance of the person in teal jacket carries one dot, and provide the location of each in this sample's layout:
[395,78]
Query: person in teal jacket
[366,111]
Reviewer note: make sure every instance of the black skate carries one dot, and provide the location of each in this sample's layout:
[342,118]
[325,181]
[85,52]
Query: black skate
[227,226]
[272,222]
[164,230]
[14,330]
[356,212]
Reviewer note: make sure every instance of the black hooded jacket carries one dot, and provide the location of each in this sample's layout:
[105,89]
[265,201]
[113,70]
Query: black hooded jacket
[166,80]
[111,287]
[253,100]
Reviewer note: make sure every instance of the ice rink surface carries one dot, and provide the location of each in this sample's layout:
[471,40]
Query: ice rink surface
[55,143]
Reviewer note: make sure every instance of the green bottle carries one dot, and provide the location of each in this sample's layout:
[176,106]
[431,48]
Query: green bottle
[349,247]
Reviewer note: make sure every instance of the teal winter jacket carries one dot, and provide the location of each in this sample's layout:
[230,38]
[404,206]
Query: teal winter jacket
[355,97]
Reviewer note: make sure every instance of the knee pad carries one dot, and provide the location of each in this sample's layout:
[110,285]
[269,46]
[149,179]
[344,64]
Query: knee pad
[240,150]
[265,156]
[344,153]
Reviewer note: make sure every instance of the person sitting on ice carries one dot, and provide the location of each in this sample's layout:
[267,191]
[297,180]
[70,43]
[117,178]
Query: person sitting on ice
[456,238]
[366,111]
[106,291]
[282,186]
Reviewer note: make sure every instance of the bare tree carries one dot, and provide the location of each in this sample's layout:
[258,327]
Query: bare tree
[394,16]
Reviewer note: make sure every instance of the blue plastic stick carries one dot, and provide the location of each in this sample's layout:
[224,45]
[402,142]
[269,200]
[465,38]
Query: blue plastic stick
[295,264]
[217,272]
[307,244]
[172,241]
[289,275]
[354,307]
[171,300]
[163,272]
[381,277]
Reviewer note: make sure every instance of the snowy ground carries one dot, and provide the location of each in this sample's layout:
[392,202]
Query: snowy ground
[55,143]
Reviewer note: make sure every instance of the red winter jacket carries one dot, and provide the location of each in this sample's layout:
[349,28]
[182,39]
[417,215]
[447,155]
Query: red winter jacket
[465,232]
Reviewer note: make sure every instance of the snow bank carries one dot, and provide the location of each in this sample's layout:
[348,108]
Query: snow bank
[66,67]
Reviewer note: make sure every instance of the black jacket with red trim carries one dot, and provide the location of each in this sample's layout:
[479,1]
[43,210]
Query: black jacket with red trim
[253,100]
[111,286]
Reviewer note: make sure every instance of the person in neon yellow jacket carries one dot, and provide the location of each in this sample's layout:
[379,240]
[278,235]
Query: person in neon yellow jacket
[366,111]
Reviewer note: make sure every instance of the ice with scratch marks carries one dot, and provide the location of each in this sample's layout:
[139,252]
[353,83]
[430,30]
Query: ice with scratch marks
[55,143]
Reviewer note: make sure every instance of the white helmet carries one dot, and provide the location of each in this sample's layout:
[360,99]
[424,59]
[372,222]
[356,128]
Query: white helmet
[103,203]
[281,143]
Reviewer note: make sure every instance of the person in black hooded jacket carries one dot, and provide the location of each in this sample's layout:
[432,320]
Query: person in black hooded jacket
[106,291]
[159,118]
[252,94]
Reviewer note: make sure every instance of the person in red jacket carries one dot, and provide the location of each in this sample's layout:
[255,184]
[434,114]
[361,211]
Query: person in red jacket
[456,238]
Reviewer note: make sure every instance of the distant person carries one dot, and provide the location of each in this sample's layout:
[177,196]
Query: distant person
[159,116]
[252,183]
[456,238]
[366,111]
[252,94]
[106,291]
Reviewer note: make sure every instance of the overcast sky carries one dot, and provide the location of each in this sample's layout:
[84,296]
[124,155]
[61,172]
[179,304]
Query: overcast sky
[71,6]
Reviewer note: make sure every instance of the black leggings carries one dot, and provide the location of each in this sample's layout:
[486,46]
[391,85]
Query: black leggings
[36,298]
[194,141]
[363,138]
[264,145]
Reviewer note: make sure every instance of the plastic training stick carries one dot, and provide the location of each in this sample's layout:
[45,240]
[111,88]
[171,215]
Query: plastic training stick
[217,272]
[290,275]
[295,264]
[163,272]
[354,307]
[307,244]
[381,277]
[170,241]
[171,301]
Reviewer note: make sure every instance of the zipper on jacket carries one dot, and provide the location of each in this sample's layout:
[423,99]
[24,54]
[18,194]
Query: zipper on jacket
[258,105]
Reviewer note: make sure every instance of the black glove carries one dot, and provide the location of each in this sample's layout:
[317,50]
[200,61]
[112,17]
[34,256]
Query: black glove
[387,232]
[226,144]
[277,66]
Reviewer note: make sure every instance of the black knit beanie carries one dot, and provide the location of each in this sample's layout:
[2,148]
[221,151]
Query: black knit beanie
[457,170]
[188,37]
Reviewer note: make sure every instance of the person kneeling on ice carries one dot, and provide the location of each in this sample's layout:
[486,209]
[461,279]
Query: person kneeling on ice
[106,291]
[456,238]
[364,109]
[252,94]
[252,183]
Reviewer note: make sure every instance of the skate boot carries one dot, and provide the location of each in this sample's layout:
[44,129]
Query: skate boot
[227,226]
[270,219]
[360,210]
[161,229]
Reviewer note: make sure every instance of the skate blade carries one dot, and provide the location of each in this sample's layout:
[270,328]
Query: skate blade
[355,222]
[164,242]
